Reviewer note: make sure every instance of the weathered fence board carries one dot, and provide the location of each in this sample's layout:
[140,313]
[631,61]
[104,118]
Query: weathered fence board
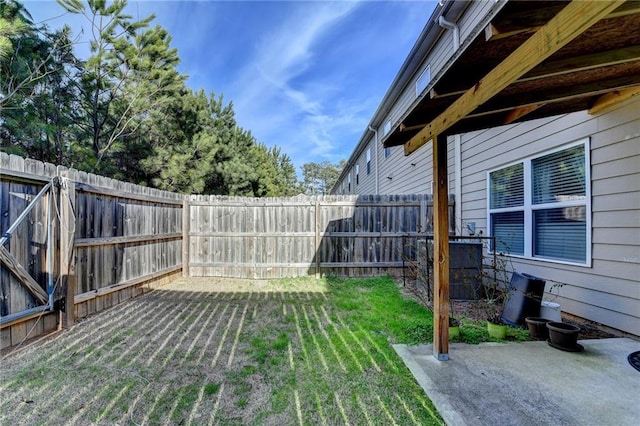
[269,238]
[125,233]
[115,239]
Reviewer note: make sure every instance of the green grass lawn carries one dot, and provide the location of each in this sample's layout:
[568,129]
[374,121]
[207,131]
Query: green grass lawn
[201,352]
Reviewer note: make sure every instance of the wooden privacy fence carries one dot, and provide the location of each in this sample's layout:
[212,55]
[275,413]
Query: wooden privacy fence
[73,243]
[87,243]
[283,237]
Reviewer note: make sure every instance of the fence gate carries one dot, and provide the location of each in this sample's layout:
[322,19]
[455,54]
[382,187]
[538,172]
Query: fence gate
[27,254]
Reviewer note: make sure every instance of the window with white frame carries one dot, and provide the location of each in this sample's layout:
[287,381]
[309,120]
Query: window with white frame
[387,152]
[540,207]
[357,174]
[368,161]
[349,182]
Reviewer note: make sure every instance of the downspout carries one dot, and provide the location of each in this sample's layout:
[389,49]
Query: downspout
[375,150]
[442,21]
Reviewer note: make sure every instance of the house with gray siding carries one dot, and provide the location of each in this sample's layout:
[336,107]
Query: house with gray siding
[554,178]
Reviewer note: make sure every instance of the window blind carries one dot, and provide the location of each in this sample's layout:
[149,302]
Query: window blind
[508,230]
[507,187]
[559,177]
[560,234]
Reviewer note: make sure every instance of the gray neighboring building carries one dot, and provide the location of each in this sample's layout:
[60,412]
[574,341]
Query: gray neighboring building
[561,192]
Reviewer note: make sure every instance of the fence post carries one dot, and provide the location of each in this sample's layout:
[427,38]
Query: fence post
[318,238]
[67,242]
[186,223]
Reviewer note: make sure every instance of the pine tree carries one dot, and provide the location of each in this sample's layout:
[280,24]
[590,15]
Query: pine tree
[37,91]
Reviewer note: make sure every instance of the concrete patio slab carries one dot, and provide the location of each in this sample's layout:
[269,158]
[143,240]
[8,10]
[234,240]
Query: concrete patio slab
[530,383]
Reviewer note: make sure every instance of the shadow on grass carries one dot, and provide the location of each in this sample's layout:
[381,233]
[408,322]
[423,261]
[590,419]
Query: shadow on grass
[218,352]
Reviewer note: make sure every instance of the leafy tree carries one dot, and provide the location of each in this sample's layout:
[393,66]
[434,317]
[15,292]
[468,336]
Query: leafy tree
[125,112]
[14,20]
[148,91]
[199,148]
[276,175]
[37,90]
[182,152]
[319,178]
[105,79]
[286,179]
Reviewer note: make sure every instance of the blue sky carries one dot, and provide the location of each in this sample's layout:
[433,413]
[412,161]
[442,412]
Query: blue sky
[304,75]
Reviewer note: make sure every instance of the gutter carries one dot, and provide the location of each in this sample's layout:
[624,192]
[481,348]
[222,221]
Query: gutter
[442,21]
[421,48]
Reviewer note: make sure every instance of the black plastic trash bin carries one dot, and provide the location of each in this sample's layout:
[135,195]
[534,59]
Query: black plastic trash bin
[525,297]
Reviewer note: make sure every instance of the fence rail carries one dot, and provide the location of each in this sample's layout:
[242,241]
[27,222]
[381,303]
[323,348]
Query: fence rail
[90,242]
[101,243]
[270,238]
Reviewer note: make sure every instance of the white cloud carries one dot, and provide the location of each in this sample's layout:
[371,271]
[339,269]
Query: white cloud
[269,99]
[302,75]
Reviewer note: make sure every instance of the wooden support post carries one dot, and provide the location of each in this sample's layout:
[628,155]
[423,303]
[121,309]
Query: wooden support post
[441,250]
[186,224]
[67,240]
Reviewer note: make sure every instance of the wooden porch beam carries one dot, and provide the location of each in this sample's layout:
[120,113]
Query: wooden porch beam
[553,95]
[569,23]
[516,106]
[628,8]
[613,98]
[23,276]
[520,112]
[530,21]
[441,307]
[584,63]
[492,33]
[565,66]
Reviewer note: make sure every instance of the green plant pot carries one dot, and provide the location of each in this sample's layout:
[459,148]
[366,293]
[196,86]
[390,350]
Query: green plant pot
[454,331]
[498,331]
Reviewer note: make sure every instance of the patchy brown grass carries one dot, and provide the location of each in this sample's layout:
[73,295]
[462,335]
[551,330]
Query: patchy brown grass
[220,352]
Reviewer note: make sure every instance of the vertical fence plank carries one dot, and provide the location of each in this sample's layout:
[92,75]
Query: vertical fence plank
[67,236]
[18,202]
[185,237]
[318,236]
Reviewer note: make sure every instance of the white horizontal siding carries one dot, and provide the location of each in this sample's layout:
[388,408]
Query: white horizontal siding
[614,185]
[399,176]
[609,291]
[608,235]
